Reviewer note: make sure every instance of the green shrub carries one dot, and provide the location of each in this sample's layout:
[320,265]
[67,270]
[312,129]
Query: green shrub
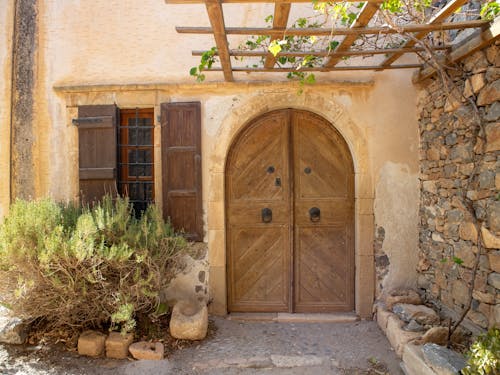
[484,354]
[77,267]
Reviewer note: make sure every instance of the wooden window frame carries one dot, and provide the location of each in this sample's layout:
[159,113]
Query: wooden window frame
[124,179]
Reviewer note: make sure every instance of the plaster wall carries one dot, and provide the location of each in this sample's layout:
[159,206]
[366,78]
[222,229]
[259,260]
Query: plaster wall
[127,52]
[6,28]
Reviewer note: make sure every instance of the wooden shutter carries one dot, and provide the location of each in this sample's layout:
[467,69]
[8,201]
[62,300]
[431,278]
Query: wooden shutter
[181,167]
[97,151]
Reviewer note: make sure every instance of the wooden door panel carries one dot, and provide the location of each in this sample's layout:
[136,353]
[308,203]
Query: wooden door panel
[332,211]
[259,253]
[323,168]
[324,251]
[260,158]
[260,269]
[241,213]
[322,284]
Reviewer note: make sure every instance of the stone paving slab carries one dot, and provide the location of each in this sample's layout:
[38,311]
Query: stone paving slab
[238,348]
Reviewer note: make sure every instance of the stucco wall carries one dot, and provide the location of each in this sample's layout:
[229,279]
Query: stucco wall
[6,26]
[127,52]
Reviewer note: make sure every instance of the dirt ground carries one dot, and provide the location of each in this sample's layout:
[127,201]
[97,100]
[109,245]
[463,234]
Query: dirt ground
[233,348]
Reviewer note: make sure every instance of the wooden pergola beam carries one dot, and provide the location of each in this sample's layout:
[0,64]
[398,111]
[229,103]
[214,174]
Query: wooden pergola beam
[258,1]
[438,18]
[316,69]
[336,31]
[280,20]
[214,10]
[476,42]
[364,17]
[327,53]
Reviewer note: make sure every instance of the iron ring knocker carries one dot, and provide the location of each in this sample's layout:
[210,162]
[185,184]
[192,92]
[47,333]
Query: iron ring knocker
[267,215]
[315,214]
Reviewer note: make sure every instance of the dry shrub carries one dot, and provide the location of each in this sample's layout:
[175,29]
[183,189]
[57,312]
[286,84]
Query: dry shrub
[75,268]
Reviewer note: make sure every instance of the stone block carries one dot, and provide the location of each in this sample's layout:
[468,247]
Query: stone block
[216,215]
[147,350]
[492,74]
[478,318]
[117,345]
[442,360]
[217,290]
[483,297]
[397,336]
[460,292]
[468,232]
[216,248]
[414,362]
[436,335]
[91,343]
[493,112]
[403,296]
[494,279]
[486,180]
[492,54]
[493,214]
[494,259]
[12,329]
[189,321]
[420,313]
[489,94]
[383,318]
[429,186]
[495,316]
[216,190]
[489,239]
[466,252]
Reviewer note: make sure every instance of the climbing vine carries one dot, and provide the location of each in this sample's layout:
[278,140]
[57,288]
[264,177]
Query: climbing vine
[393,14]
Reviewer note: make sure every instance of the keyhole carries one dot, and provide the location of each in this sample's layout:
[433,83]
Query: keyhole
[278,181]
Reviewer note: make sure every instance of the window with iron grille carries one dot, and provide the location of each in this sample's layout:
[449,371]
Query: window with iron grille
[136,156]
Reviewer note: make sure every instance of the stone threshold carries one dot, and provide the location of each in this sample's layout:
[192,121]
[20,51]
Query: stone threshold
[295,318]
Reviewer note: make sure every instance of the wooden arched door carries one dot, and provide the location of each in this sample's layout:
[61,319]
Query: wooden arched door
[290,216]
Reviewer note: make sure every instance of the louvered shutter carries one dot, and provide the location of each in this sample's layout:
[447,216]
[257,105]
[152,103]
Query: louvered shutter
[97,144]
[181,167]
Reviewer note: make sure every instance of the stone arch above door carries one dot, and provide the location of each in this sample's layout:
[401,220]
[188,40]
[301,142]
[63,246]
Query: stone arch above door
[355,137]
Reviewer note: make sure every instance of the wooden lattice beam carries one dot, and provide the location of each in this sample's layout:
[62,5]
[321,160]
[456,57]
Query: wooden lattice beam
[257,1]
[438,18]
[364,17]
[280,20]
[317,69]
[327,53]
[476,42]
[337,31]
[216,16]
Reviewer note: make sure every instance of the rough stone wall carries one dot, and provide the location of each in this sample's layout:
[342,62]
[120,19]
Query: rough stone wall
[457,169]
[23,77]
